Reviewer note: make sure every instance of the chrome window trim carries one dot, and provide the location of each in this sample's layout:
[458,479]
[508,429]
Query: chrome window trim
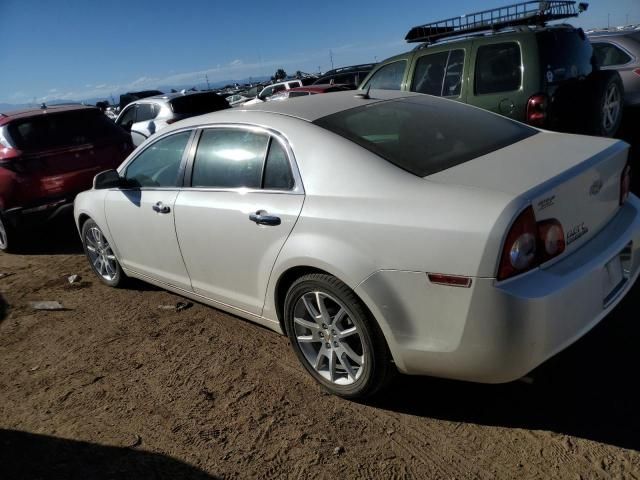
[298,187]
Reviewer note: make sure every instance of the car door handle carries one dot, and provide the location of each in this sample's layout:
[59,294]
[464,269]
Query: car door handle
[161,208]
[261,218]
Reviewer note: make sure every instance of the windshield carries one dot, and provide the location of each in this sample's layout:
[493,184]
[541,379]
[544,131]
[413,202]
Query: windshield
[423,135]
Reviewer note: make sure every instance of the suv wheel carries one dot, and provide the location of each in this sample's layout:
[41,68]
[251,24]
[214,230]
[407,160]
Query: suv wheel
[609,103]
[335,337]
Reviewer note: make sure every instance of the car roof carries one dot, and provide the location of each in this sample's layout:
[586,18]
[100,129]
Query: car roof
[625,32]
[308,108]
[167,97]
[7,117]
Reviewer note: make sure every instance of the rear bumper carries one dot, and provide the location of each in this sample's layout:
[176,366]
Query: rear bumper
[497,332]
[34,215]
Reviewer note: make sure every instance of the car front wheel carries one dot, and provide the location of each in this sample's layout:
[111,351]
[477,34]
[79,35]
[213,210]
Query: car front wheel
[101,257]
[7,236]
[335,338]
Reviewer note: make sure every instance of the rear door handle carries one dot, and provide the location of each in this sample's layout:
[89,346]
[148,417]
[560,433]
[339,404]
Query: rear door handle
[261,218]
[161,208]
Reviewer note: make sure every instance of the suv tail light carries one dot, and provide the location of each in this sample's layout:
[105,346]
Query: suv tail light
[537,110]
[625,184]
[530,243]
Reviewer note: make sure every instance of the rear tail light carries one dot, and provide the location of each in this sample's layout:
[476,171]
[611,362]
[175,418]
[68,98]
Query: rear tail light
[530,243]
[625,184]
[537,110]
[637,71]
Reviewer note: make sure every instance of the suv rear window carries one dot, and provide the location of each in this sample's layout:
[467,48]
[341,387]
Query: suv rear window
[423,135]
[564,55]
[64,129]
[498,68]
[197,104]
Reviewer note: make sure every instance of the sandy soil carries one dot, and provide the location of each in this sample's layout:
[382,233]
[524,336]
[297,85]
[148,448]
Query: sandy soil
[115,387]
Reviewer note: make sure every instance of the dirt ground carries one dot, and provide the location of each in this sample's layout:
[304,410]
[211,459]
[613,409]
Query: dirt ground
[115,387]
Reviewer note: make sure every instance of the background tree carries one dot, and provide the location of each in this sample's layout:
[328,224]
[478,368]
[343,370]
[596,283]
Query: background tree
[280,75]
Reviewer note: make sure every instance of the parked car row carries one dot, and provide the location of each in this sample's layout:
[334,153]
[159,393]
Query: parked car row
[383,228]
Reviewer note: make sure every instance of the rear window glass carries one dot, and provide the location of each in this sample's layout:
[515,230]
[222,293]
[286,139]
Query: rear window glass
[57,130]
[423,135]
[198,104]
[498,68]
[564,55]
[608,54]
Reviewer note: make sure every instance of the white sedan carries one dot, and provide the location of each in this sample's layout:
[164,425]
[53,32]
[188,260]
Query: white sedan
[380,232]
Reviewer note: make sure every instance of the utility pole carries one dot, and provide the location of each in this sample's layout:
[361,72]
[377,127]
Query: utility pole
[207,78]
[627,22]
[331,58]
[608,21]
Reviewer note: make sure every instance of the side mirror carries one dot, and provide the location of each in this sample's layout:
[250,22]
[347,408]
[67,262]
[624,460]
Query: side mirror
[107,179]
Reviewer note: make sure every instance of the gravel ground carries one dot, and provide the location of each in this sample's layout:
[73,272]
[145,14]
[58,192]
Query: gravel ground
[114,387]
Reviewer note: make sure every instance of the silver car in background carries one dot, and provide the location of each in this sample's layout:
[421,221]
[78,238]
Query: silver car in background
[145,117]
[620,50]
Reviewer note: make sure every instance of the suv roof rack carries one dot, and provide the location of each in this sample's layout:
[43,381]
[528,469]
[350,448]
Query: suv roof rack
[523,13]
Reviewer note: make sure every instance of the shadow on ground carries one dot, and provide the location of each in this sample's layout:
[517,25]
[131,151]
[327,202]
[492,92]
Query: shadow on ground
[630,133]
[57,237]
[589,391]
[29,456]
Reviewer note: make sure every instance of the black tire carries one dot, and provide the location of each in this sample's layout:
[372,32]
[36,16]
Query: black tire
[8,236]
[375,371]
[607,83]
[114,276]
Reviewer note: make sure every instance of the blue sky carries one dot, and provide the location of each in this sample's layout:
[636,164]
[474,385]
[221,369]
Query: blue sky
[78,49]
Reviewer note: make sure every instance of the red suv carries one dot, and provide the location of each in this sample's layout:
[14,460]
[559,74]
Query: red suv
[47,156]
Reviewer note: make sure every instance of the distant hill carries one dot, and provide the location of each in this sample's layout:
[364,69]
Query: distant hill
[7,107]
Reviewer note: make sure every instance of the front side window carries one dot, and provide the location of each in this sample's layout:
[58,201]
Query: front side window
[608,54]
[229,158]
[498,68]
[159,164]
[429,74]
[388,77]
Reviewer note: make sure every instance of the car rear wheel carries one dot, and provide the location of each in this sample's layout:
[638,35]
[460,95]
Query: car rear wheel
[101,257]
[335,338]
[7,236]
[609,105]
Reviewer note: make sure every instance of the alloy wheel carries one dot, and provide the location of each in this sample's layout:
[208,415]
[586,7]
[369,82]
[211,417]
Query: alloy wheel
[611,107]
[329,340]
[100,254]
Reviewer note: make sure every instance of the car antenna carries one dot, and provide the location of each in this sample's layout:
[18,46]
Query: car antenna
[365,95]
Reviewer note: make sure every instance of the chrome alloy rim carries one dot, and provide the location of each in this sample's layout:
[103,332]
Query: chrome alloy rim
[100,254]
[3,235]
[329,340]
[611,108]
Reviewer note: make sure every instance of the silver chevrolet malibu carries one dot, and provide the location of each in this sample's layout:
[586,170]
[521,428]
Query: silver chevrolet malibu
[381,231]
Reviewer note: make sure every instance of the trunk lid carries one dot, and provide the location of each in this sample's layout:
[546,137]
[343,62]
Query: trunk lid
[573,179]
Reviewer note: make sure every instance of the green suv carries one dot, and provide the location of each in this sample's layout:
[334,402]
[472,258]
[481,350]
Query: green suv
[543,75]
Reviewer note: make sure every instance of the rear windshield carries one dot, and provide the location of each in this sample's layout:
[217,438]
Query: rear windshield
[564,55]
[423,135]
[55,130]
[198,104]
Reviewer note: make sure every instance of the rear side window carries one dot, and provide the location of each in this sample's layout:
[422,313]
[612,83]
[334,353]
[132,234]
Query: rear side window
[564,55]
[145,112]
[423,135]
[198,104]
[229,159]
[498,68]
[277,172]
[429,74]
[388,77]
[64,129]
[159,164]
[608,54]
